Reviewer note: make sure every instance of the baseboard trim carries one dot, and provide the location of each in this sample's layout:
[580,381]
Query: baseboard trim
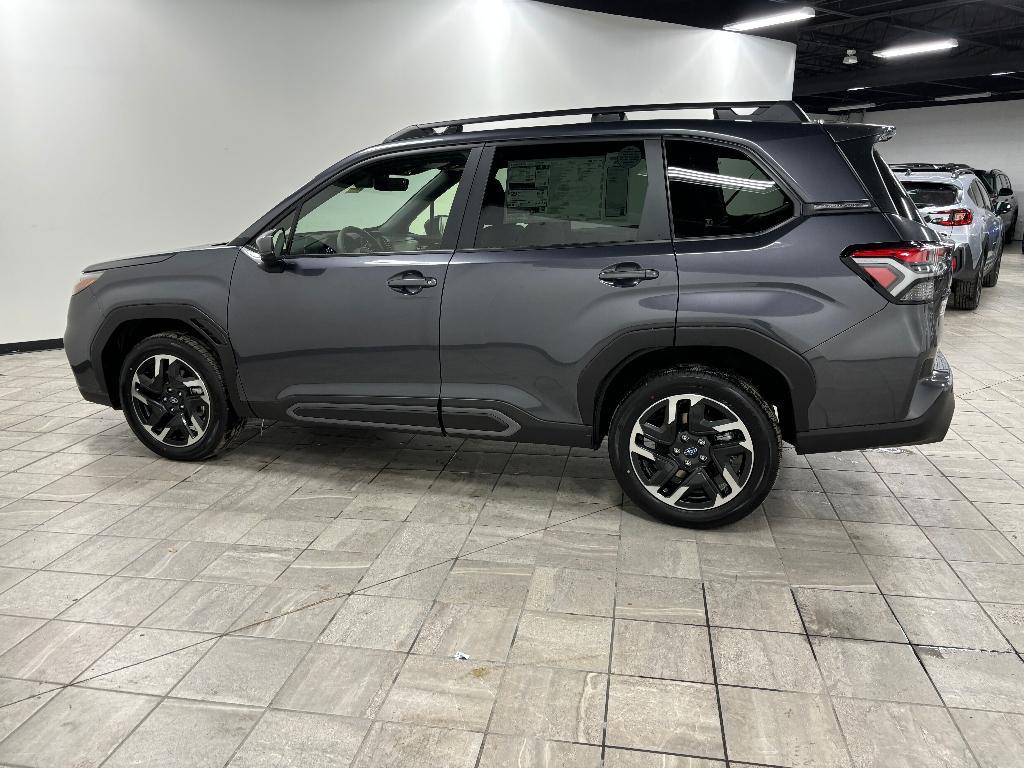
[31,346]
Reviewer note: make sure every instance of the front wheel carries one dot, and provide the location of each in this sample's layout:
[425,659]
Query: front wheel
[695,447]
[174,399]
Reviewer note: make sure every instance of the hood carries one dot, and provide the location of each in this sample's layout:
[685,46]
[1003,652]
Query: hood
[138,261]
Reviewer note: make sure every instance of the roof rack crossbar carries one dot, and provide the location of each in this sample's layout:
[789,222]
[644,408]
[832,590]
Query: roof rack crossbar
[780,111]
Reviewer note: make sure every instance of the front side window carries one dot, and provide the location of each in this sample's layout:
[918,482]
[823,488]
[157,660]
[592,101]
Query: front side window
[389,206]
[718,191]
[564,194]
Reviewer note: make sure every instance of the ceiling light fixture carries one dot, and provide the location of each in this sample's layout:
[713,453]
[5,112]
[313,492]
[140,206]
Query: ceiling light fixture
[852,107]
[785,17]
[962,96]
[858,88]
[1000,74]
[911,48]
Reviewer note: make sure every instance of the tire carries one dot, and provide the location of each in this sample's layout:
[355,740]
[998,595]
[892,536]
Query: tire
[166,379]
[992,277]
[967,295]
[710,498]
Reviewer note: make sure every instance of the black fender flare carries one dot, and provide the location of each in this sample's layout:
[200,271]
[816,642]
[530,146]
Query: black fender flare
[205,327]
[627,347]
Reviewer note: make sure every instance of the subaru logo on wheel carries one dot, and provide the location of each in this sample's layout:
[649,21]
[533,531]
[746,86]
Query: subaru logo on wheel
[691,451]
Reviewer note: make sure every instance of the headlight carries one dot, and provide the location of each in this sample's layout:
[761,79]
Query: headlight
[85,281]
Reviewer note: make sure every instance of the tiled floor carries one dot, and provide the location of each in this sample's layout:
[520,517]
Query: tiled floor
[381,600]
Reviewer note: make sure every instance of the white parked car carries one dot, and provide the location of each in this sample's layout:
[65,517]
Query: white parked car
[955,203]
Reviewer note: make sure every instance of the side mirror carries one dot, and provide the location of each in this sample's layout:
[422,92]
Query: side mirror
[270,245]
[1005,192]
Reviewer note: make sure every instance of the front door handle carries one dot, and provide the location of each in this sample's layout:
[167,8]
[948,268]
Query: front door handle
[626,275]
[410,282]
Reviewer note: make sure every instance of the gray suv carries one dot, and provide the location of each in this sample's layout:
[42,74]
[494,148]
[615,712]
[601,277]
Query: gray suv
[695,291]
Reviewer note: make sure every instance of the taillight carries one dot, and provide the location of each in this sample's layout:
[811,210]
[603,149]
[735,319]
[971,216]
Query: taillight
[958,217]
[906,273]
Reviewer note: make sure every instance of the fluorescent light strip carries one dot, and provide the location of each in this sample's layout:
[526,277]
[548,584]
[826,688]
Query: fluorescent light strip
[852,107]
[1000,74]
[962,96]
[912,48]
[717,180]
[786,17]
[858,88]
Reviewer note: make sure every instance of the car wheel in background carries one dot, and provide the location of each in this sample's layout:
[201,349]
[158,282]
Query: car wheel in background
[695,446]
[993,277]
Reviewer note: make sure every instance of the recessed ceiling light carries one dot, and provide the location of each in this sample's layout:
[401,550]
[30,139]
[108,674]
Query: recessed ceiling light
[785,17]
[851,107]
[911,48]
[962,96]
[998,74]
[858,88]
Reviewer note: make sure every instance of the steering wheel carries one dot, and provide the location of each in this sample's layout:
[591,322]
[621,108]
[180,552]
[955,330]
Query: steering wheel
[363,241]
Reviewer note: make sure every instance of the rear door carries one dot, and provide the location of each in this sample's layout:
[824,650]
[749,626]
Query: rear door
[564,256]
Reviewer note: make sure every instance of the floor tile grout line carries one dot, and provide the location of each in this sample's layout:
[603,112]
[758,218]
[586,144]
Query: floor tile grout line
[320,602]
[824,682]
[714,673]
[160,700]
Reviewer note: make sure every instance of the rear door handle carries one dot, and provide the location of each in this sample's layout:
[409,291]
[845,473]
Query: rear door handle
[410,282]
[627,275]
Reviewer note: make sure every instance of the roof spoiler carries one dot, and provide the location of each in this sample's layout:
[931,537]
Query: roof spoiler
[848,131]
[775,111]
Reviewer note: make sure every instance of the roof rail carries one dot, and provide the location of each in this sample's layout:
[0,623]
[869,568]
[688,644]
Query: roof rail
[779,111]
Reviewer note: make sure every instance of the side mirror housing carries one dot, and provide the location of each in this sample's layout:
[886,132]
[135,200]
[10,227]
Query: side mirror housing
[270,246]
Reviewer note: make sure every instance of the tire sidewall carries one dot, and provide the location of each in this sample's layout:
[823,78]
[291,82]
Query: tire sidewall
[211,376]
[763,435]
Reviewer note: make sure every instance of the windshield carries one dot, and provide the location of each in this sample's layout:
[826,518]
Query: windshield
[929,194]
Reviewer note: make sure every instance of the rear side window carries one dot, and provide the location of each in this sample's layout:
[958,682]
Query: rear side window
[926,194]
[564,194]
[719,191]
[981,195]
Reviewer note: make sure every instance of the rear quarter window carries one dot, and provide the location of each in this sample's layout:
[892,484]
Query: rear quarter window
[926,194]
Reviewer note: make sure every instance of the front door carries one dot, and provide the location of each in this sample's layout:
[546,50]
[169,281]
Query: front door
[564,256]
[345,331]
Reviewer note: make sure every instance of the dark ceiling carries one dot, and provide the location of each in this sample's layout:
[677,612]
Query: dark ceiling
[990,33]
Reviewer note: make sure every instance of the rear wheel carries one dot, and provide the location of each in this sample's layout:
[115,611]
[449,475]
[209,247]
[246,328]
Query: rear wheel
[993,277]
[695,446]
[174,399]
[966,294]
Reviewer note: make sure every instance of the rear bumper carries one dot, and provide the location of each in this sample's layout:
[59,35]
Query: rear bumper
[927,421]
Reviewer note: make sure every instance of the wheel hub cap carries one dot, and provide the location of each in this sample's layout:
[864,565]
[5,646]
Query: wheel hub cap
[171,400]
[691,451]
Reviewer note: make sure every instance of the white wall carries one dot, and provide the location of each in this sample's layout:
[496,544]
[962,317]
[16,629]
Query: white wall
[133,126]
[988,135]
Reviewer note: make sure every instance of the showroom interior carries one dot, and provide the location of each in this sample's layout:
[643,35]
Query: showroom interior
[341,570]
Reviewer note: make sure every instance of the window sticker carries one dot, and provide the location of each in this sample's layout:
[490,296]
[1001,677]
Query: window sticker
[592,188]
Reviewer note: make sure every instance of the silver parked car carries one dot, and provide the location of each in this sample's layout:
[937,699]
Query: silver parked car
[954,202]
